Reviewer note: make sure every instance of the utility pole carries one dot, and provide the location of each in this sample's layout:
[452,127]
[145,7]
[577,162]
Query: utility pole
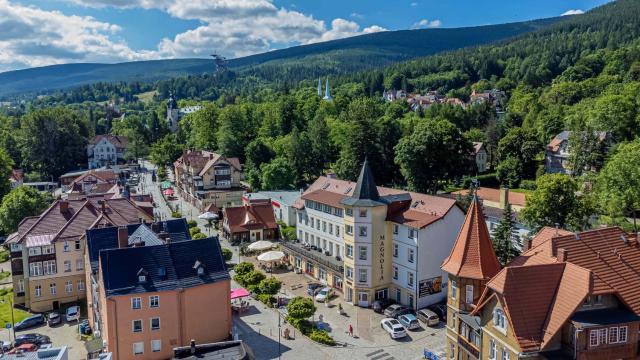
[279,331]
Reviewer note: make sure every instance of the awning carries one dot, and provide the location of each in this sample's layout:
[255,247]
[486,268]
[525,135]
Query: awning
[168,192]
[239,293]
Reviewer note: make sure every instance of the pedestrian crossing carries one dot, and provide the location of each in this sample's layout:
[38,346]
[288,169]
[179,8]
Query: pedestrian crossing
[379,354]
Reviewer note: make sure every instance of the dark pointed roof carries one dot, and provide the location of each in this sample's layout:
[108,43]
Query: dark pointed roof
[472,255]
[366,191]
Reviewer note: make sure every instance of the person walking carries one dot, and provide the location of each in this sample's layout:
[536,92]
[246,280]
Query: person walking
[350,330]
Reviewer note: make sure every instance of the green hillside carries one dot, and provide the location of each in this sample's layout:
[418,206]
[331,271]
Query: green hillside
[338,56]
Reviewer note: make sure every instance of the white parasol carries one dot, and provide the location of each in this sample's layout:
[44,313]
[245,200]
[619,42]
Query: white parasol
[270,256]
[208,216]
[260,245]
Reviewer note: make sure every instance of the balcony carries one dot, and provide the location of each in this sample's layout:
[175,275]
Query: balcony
[327,261]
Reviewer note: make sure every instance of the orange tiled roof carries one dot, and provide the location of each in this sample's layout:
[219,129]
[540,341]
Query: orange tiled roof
[491,194]
[472,255]
[547,233]
[250,217]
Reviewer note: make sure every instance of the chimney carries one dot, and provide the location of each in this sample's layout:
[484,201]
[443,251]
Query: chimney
[528,244]
[211,156]
[193,347]
[64,206]
[123,237]
[156,227]
[103,206]
[562,255]
[504,197]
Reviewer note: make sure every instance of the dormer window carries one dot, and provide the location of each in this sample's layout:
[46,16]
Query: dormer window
[142,276]
[199,268]
[499,320]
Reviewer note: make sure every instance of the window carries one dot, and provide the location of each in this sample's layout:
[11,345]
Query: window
[413,234]
[505,354]
[155,323]
[38,290]
[68,286]
[362,252]
[138,348]
[410,255]
[362,231]
[324,226]
[593,338]
[154,301]
[499,320]
[349,251]
[349,212]
[348,272]
[395,229]
[79,264]
[65,247]
[363,212]
[348,229]
[602,338]
[492,349]
[136,303]
[49,249]
[398,296]
[49,267]
[80,285]
[318,224]
[35,251]
[622,334]
[410,279]
[337,230]
[362,275]
[395,273]
[35,269]
[454,289]
[338,212]
[410,298]
[67,265]
[452,351]
[77,245]
[137,325]
[21,286]
[395,250]
[330,229]
[52,288]
[156,345]
[469,294]
[142,278]
[299,217]
[613,335]
[598,300]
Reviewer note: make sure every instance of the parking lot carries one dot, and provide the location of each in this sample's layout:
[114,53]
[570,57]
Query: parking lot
[64,334]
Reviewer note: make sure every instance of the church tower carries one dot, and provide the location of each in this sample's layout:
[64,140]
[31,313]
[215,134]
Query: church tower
[319,88]
[327,92]
[471,264]
[173,113]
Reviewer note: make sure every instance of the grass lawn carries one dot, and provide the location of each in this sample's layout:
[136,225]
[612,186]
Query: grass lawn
[146,97]
[5,310]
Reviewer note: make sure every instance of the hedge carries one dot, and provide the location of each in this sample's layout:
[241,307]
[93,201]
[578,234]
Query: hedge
[322,337]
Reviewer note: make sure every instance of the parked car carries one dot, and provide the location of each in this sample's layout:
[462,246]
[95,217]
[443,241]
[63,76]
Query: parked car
[32,338]
[31,321]
[73,313]
[23,349]
[54,318]
[391,309]
[324,294]
[6,346]
[313,288]
[428,317]
[409,321]
[440,310]
[380,305]
[393,328]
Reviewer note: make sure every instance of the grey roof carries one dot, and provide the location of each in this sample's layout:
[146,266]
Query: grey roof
[56,353]
[287,198]
[232,350]
[167,267]
[145,236]
[366,191]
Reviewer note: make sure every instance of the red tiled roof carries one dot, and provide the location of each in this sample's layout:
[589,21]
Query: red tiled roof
[108,176]
[472,255]
[547,233]
[202,160]
[325,197]
[491,194]
[250,217]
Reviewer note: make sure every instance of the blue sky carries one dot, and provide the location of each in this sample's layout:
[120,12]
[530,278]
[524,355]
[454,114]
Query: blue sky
[42,32]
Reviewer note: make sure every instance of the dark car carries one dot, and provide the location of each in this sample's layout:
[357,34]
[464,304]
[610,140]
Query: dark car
[404,311]
[396,310]
[313,288]
[31,321]
[36,339]
[440,310]
[379,305]
[54,319]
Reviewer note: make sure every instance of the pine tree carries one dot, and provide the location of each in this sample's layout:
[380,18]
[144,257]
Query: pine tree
[502,242]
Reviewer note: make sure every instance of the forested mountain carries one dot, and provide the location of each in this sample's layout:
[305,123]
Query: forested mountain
[338,56]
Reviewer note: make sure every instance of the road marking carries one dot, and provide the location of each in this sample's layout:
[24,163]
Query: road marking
[375,352]
[383,355]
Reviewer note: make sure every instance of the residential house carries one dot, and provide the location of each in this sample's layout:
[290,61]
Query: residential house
[106,150]
[568,296]
[251,222]
[373,242]
[204,178]
[155,294]
[282,202]
[174,113]
[480,156]
[393,95]
[16,178]
[91,181]
[47,264]
[558,152]
[496,97]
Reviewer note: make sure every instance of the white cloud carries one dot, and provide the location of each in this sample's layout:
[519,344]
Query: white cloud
[572,12]
[356,15]
[231,28]
[425,23]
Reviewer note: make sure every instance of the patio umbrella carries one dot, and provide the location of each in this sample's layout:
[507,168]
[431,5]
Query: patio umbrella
[270,256]
[168,192]
[165,184]
[239,293]
[260,245]
[208,216]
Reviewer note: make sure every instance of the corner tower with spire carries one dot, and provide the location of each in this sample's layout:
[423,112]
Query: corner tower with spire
[471,264]
[327,92]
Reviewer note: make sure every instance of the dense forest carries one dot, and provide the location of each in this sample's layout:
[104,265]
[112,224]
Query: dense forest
[580,74]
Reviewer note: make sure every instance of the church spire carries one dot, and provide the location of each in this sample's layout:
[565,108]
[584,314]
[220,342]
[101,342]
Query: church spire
[319,87]
[366,191]
[327,91]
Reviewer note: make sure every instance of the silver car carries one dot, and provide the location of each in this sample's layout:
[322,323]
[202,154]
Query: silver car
[428,317]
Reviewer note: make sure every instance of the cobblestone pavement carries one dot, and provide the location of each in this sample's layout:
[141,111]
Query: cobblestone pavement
[65,334]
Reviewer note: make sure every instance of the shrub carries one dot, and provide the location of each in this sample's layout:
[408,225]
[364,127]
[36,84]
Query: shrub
[528,184]
[199,236]
[227,254]
[266,299]
[244,268]
[194,230]
[4,255]
[176,214]
[270,286]
[303,325]
[289,233]
[322,337]
[192,223]
[253,278]
[486,180]
[301,308]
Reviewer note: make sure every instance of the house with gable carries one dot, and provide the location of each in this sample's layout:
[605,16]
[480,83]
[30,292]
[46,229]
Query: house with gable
[106,150]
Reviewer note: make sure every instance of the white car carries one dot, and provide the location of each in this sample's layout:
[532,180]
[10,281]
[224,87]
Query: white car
[394,328]
[324,294]
[73,313]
